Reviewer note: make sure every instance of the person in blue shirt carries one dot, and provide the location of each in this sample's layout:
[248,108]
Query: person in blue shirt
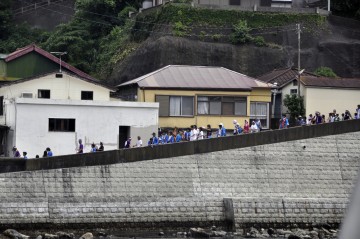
[49,152]
[170,138]
[155,139]
[25,155]
[187,134]
[221,131]
[179,137]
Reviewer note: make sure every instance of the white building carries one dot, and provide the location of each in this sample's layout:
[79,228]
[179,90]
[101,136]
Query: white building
[55,110]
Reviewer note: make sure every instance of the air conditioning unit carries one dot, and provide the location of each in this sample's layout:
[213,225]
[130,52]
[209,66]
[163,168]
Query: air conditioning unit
[26,95]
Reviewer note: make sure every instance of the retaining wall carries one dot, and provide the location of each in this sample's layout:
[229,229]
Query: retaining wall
[277,183]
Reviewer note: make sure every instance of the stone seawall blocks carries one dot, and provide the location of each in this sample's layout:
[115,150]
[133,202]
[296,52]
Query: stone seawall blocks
[276,183]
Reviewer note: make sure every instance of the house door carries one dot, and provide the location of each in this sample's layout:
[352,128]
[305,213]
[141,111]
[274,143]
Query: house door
[124,133]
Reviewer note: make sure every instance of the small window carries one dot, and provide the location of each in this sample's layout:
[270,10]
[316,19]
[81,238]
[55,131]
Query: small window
[293,91]
[234,2]
[175,105]
[221,105]
[295,82]
[87,95]
[44,94]
[61,125]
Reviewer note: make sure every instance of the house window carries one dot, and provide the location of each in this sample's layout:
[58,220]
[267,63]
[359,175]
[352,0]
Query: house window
[61,125]
[293,91]
[234,2]
[260,110]
[2,105]
[221,105]
[175,105]
[295,82]
[265,3]
[44,94]
[87,95]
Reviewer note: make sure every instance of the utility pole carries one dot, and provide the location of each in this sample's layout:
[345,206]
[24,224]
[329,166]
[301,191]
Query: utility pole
[299,50]
[328,5]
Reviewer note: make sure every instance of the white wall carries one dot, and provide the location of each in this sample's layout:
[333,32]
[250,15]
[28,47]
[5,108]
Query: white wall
[68,87]
[326,100]
[95,122]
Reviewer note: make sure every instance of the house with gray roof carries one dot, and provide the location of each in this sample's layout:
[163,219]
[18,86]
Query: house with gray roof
[201,95]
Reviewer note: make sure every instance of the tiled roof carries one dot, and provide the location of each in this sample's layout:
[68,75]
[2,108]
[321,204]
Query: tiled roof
[282,76]
[324,82]
[25,50]
[197,77]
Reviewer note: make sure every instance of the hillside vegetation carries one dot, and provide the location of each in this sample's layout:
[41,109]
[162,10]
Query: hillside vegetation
[101,36]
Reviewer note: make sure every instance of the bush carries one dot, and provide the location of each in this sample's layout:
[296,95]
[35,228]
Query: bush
[259,41]
[179,29]
[240,33]
[325,71]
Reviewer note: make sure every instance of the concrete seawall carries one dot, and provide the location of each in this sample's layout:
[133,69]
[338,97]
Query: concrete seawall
[275,183]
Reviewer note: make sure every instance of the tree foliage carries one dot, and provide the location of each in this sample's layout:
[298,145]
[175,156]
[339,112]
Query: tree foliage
[295,105]
[325,71]
[346,8]
[241,33]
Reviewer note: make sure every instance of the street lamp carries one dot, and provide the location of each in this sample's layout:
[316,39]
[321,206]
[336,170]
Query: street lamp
[59,54]
[298,83]
[274,91]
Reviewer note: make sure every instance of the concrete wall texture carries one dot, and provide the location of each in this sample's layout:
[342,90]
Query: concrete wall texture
[274,183]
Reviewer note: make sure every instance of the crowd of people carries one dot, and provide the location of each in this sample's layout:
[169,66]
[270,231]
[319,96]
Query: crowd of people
[49,153]
[319,118]
[194,133]
[198,133]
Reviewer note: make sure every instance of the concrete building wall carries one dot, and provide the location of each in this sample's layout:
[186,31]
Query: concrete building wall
[275,183]
[95,121]
[326,100]
[67,87]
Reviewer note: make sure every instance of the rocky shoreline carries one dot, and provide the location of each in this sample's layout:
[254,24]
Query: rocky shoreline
[319,231]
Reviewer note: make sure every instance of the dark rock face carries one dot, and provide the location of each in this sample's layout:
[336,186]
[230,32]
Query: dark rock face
[337,47]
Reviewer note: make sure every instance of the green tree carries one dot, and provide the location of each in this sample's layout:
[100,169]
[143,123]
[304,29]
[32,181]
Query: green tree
[346,8]
[241,33]
[325,71]
[295,106]
[5,18]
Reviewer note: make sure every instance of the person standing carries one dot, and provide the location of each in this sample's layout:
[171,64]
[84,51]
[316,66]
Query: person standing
[139,142]
[16,153]
[155,140]
[258,124]
[25,155]
[201,133]
[127,143]
[358,110]
[93,148]
[208,131]
[246,127]
[193,133]
[179,136]
[81,147]
[49,152]
[254,127]
[101,148]
[221,131]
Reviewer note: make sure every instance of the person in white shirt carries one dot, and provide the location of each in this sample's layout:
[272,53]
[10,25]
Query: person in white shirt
[194,133]
[254,128]
[138,143]
[201,133]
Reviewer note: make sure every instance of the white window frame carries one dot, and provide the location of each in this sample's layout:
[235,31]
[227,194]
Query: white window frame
[267,116]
